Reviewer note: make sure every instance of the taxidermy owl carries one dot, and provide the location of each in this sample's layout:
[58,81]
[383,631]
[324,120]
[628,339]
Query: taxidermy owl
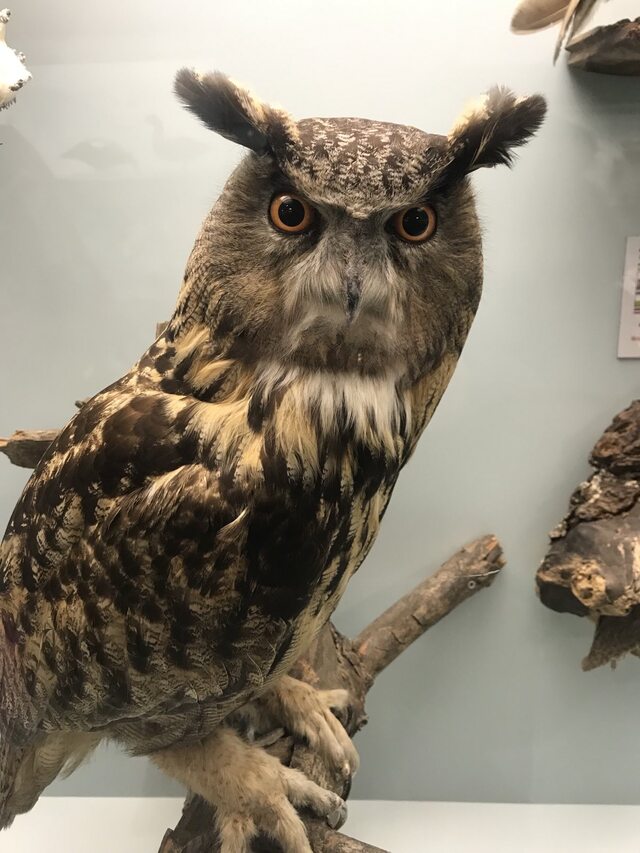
[193,527]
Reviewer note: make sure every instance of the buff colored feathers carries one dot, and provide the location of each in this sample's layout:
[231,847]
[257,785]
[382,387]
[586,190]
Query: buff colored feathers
[533,15]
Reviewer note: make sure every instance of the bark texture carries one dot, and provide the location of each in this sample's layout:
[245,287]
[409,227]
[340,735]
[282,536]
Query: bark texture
[614,49]
[25,447]
[592,567]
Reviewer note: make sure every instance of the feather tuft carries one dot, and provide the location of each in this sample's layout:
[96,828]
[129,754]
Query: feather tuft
[489,130]
[232,111]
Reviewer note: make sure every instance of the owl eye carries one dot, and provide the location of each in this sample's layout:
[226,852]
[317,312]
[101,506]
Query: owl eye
[415,224]
[291,214]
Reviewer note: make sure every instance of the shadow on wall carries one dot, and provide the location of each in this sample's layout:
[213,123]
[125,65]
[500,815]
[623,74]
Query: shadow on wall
[609,128]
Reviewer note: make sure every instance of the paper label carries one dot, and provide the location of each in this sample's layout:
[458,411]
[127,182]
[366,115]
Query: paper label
[629,340]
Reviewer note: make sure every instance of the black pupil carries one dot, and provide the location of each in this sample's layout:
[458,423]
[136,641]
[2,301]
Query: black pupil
[291,212]
[415,221]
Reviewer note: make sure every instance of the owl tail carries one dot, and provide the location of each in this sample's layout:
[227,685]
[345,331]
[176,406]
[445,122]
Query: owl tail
[12,747]
[25,772]
[10,759]
[30,759]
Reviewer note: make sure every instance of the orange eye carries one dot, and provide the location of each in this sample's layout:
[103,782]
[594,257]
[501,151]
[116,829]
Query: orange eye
[291,214]
[415,224]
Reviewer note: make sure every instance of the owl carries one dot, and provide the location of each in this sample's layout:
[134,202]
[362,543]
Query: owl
[194,526]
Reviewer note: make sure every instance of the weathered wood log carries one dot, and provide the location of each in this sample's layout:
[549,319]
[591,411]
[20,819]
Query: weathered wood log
[335,661]
[472,568]
[193,835]
[591,567]
[25,447]
[612,49]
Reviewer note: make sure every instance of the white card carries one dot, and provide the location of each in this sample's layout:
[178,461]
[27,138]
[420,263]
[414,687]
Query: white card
[629,340]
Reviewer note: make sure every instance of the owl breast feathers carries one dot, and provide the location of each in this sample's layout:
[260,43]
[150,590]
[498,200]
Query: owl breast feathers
[196,523]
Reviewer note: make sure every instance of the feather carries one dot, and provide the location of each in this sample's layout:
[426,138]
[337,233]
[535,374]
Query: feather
[533,15]
[575,16]
[232,111]
[488,130]
[582,14]
[223,107]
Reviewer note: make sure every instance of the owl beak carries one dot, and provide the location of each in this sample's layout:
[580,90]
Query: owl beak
[353,292]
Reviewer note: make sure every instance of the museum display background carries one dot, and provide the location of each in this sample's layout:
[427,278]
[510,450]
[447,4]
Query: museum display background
[104,181]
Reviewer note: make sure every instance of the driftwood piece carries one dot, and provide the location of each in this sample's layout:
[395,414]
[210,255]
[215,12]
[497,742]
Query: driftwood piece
[612,49]
[333,661]
[592,566]
[25,447]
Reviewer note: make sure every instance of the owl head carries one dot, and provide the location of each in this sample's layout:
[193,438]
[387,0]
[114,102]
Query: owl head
[343,244]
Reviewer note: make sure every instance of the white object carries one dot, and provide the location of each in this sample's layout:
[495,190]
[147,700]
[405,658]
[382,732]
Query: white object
[137,824]
[13,72]
[629,340]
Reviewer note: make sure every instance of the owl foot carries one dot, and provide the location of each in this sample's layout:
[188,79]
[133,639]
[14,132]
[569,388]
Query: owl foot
[310,715]
[252,792]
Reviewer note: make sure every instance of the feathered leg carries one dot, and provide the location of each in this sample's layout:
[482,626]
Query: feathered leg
[251,790]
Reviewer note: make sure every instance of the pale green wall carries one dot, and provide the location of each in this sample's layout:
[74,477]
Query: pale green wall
[492,705]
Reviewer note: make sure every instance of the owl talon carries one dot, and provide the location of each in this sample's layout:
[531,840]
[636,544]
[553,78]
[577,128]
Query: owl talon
[252,792]
[308,714]
[338,817]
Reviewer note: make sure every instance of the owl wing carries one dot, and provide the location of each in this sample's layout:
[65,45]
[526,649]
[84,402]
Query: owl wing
[124,579]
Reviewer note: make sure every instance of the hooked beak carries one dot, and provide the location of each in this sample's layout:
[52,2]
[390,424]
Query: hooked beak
[353,292]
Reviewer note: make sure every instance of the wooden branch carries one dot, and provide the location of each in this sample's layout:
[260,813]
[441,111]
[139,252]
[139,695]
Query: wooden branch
[335,661]
[193,835]
[26,447]
[612,49]
[471,569]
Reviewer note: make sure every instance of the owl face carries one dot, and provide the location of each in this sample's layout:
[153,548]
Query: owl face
[346,244]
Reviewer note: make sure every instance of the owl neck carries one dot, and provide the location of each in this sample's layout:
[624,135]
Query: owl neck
[250,411]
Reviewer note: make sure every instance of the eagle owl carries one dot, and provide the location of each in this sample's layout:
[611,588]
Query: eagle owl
[195,524]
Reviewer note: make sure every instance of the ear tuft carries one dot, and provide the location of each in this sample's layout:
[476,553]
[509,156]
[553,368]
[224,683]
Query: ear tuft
[490,128]
[231,110]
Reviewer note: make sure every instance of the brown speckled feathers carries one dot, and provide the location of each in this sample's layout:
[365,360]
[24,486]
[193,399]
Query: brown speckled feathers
[149,565]
[196,523]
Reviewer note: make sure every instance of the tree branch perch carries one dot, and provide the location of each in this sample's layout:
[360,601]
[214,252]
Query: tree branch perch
[336,661]
[25,448]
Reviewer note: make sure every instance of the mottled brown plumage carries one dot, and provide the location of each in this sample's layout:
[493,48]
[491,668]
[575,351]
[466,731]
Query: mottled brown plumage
[196,523]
